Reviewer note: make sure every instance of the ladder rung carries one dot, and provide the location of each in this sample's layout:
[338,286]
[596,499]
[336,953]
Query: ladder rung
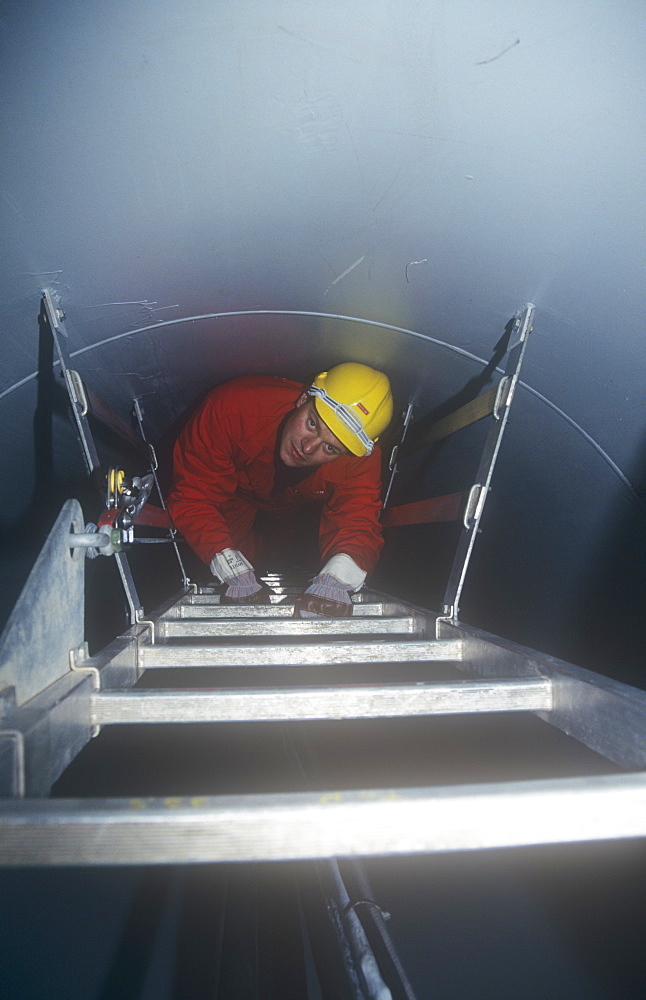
[388,821]
[256,611]
[347,702]
[362,597]
[445,650]
[184,628]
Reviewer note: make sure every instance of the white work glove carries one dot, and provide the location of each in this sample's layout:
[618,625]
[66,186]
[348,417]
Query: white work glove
[242,587]
[328,595]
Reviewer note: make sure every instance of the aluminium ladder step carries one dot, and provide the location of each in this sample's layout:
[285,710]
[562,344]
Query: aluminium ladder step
[340,702]
[303,654]
[187,628]
[281,826]
[195,608]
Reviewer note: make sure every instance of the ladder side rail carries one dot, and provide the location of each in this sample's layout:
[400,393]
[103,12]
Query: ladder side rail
[49,732]
[80,408]
[480,489]
[84,400]
[605,715]
[467,506]
[154,465]
[46,675]
[42,736]
[293,826]
[393,466]
[47,620]
[78,401]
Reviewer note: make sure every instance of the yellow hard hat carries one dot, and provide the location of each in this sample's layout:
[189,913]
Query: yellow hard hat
[355,403]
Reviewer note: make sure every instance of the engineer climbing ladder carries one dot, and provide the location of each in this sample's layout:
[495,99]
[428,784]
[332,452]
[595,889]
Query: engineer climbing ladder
[390,659]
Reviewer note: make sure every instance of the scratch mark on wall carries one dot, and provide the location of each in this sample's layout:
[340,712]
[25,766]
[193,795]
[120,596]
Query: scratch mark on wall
[318,123]
[137,302]
[37,274]
[345,273]
[483,62]
[390,186]
[356,155]
[146,304]
[424,260]
[322,48]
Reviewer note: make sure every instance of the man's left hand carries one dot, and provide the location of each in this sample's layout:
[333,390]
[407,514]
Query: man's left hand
[326,597]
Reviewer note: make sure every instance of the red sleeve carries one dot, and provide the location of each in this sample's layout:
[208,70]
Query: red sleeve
[350,519]
[203,477]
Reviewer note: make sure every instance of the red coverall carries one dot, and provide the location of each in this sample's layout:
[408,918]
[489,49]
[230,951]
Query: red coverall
[223,474]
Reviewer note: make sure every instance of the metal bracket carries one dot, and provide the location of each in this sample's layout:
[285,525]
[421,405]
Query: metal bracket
[449,616]
[55,314]
[76,390]
[392,463]
[140,620]
[504,395]
[78,663]
[73,384]
[474,505]
[521,325]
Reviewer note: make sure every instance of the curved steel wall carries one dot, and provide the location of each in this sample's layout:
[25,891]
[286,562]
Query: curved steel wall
[332,179]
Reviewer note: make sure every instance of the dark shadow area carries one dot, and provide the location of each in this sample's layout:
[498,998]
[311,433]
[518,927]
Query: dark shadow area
[133,954]
[23,536]
[608,616]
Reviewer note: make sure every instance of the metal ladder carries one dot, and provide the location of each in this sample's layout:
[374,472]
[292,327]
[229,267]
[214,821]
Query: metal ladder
[390,659]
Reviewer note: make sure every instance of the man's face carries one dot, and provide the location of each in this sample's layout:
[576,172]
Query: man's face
[306,440]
